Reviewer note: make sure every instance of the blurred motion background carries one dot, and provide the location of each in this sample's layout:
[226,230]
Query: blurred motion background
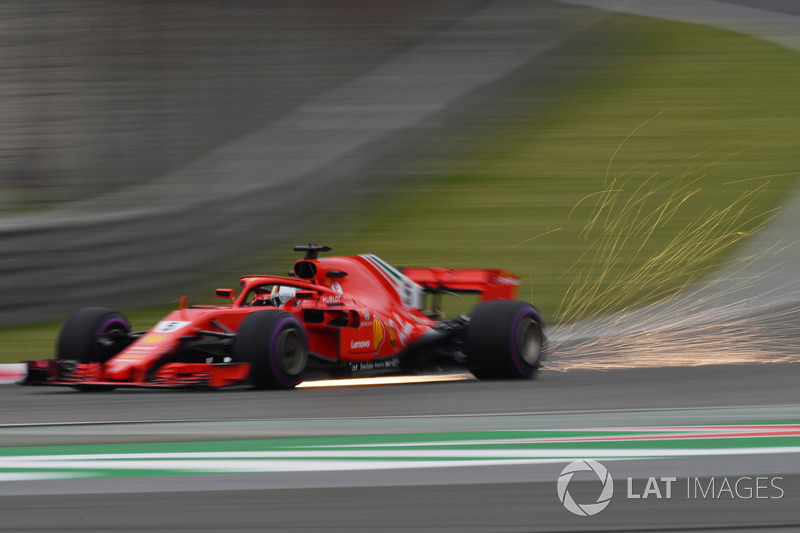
[153,149]
[99,97]
[147,144]
[110,185]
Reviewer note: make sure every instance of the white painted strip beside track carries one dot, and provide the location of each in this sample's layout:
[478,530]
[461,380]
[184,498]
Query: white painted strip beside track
[12,372]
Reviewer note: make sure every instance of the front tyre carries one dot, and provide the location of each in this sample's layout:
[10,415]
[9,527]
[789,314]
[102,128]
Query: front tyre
[92,335]
[275,345]
[504,340]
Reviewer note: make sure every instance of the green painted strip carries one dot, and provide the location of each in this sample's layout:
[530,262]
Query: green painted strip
[389,451]
[455,440]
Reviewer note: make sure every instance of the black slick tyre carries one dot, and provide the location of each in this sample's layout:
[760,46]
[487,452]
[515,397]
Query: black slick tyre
[87,335]
[504,340]
[92,335]
[275,345]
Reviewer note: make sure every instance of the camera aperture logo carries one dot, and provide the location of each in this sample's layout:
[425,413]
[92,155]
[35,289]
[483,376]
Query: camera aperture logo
[585,509]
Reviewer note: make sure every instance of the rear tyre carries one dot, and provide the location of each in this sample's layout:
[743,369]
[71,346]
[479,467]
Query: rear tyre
[504,340]
[275,345]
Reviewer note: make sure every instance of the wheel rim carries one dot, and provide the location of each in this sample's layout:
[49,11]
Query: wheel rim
[291,352]
[529,342]
[104,346]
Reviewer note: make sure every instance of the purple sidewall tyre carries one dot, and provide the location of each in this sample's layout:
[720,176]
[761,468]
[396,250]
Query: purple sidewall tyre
[79,334]
[504,340]
[279,374]
[275,343]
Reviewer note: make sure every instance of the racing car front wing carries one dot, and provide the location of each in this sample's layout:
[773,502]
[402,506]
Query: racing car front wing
[91,375]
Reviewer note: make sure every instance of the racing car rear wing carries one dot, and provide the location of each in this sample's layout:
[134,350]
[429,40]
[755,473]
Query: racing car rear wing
[489,284]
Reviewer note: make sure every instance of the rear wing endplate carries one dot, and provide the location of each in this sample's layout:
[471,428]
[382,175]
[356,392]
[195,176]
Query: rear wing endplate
[489,284]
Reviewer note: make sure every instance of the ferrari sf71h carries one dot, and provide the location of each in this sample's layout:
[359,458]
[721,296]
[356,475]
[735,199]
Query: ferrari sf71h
[336,316]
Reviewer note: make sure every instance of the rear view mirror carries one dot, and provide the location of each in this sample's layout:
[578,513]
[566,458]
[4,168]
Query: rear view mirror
[226,294]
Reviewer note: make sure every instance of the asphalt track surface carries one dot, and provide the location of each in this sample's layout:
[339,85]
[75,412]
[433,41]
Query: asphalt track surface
[493,498]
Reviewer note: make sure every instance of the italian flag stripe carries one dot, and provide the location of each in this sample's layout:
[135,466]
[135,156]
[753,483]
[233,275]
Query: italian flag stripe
[395,451]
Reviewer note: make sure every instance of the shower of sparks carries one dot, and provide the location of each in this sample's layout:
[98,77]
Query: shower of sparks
[661,341]
[626,223]
[386,380]
[689,326]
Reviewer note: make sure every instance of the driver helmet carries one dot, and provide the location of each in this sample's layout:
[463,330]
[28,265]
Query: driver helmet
[282,294]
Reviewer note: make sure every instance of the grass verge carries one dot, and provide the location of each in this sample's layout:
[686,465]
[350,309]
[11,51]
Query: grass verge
[628,186]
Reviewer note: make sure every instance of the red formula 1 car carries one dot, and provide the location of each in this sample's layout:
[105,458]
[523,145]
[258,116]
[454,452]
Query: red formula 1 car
[335,315]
